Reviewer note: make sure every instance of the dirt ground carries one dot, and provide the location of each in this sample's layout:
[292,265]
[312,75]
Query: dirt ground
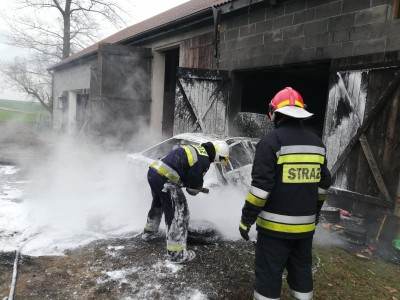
[133,269]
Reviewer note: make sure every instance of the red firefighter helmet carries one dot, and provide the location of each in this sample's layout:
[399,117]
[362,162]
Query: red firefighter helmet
[288,102]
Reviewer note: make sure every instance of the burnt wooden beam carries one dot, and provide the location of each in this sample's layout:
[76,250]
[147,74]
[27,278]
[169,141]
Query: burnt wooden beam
[374,168]
[391,132]
[383,100]
[353,196]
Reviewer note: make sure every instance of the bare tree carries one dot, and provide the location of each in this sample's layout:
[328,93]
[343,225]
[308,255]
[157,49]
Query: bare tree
[28,77]
[53,30]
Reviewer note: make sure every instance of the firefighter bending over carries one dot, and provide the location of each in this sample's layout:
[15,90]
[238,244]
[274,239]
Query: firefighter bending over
[289,182]
[184,166]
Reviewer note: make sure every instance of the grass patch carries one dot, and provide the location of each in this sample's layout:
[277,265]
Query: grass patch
[344,276]
[26,106]
[7,116]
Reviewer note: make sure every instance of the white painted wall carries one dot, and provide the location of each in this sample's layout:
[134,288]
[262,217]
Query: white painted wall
[70,79]
[72,96]
[77,77]
[157,92]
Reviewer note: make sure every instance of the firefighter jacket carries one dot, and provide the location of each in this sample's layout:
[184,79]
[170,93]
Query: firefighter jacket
[289,173]
[186,166]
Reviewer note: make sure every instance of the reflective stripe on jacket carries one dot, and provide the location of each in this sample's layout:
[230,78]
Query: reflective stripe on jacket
[184,165]
[166,171]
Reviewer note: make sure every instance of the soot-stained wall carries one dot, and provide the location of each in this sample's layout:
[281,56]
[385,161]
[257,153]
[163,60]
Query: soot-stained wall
[306,30]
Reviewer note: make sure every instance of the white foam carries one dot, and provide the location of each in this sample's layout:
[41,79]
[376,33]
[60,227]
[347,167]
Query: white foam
[8,170]
[81,194]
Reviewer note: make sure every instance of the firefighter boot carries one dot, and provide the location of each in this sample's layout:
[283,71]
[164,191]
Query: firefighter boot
[150,231]
[181,257]
[150,235]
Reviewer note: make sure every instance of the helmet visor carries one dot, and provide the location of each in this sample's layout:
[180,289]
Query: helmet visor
[294,112]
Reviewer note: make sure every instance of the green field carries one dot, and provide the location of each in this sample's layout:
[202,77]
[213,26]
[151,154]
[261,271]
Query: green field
[21,111]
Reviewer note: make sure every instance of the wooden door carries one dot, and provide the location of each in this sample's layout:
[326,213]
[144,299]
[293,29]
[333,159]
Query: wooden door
[201,101]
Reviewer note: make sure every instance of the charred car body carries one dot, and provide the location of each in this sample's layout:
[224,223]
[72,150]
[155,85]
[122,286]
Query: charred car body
[237,170]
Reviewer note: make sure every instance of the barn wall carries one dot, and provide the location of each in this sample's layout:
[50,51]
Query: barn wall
[74,78]
[125,91]
[353,94]
[198,52]
[300,31]
[383,135]
[195,50]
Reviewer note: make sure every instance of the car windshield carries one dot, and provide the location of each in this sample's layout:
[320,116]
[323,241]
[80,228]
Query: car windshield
[162,149]
[239,156]
[241,152]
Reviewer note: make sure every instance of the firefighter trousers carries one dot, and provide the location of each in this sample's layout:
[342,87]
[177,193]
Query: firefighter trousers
[170,200]
[273,255]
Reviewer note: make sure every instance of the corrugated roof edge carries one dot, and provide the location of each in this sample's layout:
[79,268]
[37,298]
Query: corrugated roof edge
[92,50]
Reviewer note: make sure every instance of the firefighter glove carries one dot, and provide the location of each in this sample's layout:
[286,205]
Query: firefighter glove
[244,230]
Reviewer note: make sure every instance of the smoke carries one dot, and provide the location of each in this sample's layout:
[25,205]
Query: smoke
[20,142]
[222,207]
[79,192]
[326,238]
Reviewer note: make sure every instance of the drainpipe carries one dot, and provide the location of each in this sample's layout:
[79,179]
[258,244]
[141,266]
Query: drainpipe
[216,18]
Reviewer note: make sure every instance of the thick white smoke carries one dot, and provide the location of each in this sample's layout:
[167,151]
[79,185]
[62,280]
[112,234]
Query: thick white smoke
[79,193]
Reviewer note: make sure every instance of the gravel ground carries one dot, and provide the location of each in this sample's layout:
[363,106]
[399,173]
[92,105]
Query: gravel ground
[133,269]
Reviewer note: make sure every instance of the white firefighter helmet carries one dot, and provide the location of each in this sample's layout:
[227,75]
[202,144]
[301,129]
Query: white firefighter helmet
[221,151]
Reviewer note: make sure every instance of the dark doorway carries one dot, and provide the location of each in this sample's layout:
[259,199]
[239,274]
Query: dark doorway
[259,86]
[81,106]
[171,66]
[64,106]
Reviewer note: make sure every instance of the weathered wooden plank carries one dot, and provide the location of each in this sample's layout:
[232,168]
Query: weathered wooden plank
[206,91]
[396,8]
[374,167]
[385,97]
[391,131]
[376,134]
[190,105]
[345,111]
[198,52]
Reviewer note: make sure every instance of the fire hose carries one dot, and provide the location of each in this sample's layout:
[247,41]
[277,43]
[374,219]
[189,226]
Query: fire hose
[14,276]
[169,185]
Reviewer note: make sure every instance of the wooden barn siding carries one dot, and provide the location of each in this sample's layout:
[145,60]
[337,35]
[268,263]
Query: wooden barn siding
[207,91]
[345,113]
[198,52]
[383,136]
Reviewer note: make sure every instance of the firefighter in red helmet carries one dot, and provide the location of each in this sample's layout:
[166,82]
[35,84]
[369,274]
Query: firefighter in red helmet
[289,181]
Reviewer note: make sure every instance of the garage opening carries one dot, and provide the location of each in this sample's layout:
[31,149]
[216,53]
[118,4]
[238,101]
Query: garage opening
[171,66]
[259,86]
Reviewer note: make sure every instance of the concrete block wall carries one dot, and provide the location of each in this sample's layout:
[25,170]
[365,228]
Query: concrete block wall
[305,30]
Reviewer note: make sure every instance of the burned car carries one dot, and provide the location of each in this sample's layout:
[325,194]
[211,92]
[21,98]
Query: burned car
[237,171]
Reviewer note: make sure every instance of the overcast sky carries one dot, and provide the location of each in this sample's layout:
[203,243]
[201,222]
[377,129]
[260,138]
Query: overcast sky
[138,10]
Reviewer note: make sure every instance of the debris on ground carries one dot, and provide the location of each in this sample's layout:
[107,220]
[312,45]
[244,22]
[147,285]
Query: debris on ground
[134,269]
